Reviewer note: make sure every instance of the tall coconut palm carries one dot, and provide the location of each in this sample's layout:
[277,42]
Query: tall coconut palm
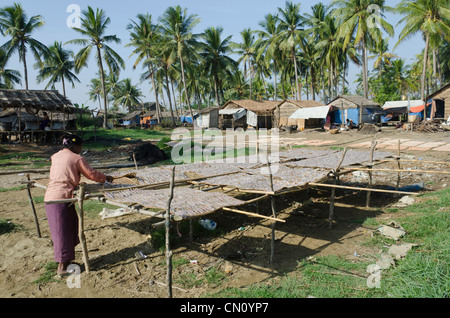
[57,66]
[178,27]
[359,21]
[431,18]
[93,27]
[290,23]
[8,77]
[401,78]
[144,37]
[268,46]
[129,95]
[216,59]
[15,24]
[382,55]
[247,52]
[164,58]
[330,49]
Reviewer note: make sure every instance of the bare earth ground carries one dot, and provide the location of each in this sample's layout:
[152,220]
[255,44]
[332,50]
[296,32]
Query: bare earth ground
[242,252]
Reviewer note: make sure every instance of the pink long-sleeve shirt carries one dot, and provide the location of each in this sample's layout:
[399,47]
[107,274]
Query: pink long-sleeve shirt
[65,175]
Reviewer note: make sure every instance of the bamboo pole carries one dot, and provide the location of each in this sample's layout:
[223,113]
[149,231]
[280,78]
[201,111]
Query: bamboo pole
[167,226]
[399,167]
[253,214]
[36,221]
[359,189]
[395,170]
[374,144]
[81,228]
[333,190]
[274,214]
[415,160]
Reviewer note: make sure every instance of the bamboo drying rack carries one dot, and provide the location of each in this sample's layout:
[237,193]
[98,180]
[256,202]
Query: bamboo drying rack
[333,175]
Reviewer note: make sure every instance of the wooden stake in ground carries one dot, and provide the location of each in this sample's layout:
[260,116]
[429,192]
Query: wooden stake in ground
[80,213]
[36,221]
[333,190]
[374,143]
[168,251]
[398,165]
[274,215]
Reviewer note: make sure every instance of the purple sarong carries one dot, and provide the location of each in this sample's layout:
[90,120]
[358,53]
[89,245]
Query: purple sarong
[63,223]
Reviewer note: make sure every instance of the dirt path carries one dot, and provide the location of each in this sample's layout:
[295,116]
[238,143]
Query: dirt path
[241,253]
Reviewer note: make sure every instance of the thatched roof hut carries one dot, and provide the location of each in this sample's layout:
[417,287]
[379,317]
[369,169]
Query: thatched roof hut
[288,107]
[352,101]
[259,114]
[441,101]
[33,101]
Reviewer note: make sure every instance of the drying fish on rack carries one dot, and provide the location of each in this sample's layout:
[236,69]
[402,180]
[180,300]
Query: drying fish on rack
[186,202]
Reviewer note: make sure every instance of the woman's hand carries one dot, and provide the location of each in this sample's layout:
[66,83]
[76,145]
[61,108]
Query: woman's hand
[109,178]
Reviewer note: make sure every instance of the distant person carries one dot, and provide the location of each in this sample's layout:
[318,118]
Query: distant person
[327,124]
[350,124]
[65,173]
[44,122]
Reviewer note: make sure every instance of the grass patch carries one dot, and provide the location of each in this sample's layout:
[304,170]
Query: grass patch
[6,226]
[49,274]
[92,208]
[18,188]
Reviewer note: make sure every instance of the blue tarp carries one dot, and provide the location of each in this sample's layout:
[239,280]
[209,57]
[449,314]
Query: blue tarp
[187,119]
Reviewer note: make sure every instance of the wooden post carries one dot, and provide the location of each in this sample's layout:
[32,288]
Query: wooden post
[333,190]
[36,221]
[274,214]
[374,143]
[398,165]
[81,228]
[168,251]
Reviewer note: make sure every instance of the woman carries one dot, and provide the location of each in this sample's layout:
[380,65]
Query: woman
[65,173]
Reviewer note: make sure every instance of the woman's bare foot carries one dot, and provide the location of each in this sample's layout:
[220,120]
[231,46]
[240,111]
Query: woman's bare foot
[62,268]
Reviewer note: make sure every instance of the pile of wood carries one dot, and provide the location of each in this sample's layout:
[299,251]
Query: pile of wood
[429,126]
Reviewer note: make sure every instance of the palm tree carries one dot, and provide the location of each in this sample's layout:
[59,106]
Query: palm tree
[95,90]
[356,19]
[93,27]
[8,77]
[431,18]
[15,23]
[178,27]
[290,23]
[216,61]
[401,78]
[246,50]
[382,56]
[129,95]
[268,46]
[144,36]
[330,49]
[57,66]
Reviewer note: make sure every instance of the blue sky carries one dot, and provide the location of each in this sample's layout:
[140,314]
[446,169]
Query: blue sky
[232,15]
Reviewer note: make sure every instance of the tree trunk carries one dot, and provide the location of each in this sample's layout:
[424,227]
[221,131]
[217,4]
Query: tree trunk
[155,89]
[296,75]
[170,99]
[216,90]
[365,82]
[185,91]
[105,97]
[25,66]
[275,78]
[64,86]
[424,70]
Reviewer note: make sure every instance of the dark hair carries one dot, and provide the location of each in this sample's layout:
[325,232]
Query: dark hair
[69,140]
